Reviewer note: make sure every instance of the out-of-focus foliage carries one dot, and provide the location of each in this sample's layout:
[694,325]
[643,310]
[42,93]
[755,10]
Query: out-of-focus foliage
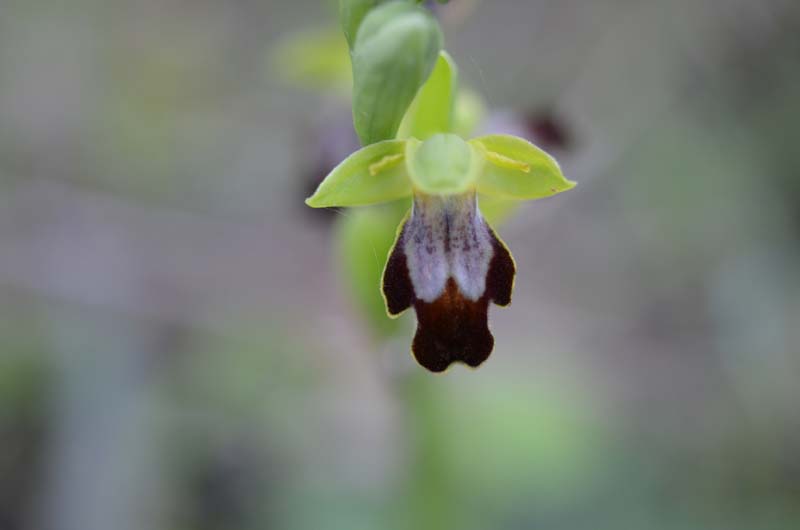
[315,58]
[364,238]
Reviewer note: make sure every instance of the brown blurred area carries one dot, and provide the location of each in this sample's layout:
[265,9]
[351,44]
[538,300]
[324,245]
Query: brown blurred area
[178,349]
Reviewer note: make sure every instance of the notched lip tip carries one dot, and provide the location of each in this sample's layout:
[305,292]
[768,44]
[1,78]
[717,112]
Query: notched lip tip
[447,368]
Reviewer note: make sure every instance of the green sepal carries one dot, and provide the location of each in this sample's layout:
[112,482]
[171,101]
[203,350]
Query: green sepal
[396,48]
[371,175]
[517,169]
[432,110]
[444,164]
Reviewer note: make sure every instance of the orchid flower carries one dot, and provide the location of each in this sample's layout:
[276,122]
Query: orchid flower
[447,262]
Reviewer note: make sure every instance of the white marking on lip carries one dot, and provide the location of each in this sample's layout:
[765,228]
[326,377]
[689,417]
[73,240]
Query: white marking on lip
[446,237]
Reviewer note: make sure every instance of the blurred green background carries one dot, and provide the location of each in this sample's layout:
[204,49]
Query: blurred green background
[179,347]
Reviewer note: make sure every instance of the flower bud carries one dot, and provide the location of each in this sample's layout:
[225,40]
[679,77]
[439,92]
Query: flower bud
[396,48]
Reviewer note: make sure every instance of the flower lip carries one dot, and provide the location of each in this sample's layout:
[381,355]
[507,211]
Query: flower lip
[448,264]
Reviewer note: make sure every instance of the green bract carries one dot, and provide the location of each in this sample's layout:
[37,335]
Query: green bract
[395,50]
[500,166]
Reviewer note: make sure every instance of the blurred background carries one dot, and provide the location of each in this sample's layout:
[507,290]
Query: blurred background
[182,347]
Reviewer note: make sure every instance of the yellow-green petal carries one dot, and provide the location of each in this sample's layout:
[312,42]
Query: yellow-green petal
[444,164]
[517,169]
[431,111]
[371,175]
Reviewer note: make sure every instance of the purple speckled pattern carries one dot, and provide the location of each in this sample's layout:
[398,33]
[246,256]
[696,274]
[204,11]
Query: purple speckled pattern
[446,237]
